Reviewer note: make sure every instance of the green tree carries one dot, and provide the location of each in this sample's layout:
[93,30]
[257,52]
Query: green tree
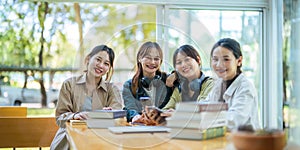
[43,9]
[34,34]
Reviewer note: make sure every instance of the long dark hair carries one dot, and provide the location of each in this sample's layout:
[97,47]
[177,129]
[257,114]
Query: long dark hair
[111,56]
[143,51]
[231,45]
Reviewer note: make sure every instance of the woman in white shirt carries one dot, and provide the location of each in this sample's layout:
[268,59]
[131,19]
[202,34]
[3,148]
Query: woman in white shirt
[233,87]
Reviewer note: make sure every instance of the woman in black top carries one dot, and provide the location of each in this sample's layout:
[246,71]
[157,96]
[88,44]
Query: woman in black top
[147,87]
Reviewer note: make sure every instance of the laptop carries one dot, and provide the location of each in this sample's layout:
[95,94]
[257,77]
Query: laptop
[138,129]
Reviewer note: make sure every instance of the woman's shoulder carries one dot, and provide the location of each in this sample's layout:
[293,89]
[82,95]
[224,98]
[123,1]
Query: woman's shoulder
[243,82]
[74,79]
[108,86]
[208,81]
[128,82]
[107,83]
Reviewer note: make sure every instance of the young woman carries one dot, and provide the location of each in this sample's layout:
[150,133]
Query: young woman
[147,87]
[192,84]
[233,87]
[189,81]
[86,92]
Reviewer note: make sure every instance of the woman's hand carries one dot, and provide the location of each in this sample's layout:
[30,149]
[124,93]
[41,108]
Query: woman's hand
[136,118]
[144,119]
[167,113]
[170,79]
[154,115]
[107,108]
[151,116]
[80,116]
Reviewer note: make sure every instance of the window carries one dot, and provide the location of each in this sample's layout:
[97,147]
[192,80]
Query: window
[255,24]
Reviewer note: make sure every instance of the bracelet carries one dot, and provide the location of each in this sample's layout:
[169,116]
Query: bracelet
[74,115]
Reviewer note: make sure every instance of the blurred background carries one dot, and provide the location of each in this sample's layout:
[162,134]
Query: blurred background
[42,43]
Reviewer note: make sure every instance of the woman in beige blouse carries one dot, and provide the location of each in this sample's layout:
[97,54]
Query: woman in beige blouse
[86,92]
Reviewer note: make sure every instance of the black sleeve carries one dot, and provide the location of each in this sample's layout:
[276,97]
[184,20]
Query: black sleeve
[169,90]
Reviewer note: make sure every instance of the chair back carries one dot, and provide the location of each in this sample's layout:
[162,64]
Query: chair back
[13,111]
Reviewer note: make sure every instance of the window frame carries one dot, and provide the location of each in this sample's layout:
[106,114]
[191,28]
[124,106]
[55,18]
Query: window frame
[271,44]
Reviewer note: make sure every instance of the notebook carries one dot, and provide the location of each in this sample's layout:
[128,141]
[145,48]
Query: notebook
[138,129]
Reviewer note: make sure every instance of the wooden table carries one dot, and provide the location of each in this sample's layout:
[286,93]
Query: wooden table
[81,138]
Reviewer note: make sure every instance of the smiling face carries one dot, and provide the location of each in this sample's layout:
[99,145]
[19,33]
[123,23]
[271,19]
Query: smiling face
[150,62]
[187,66]
[98,64]
[224,63]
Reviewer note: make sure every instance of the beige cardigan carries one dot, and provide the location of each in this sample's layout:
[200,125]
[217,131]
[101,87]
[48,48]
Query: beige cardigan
[71,99]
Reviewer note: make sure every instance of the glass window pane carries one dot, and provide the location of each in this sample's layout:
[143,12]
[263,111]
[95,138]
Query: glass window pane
[202,28]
